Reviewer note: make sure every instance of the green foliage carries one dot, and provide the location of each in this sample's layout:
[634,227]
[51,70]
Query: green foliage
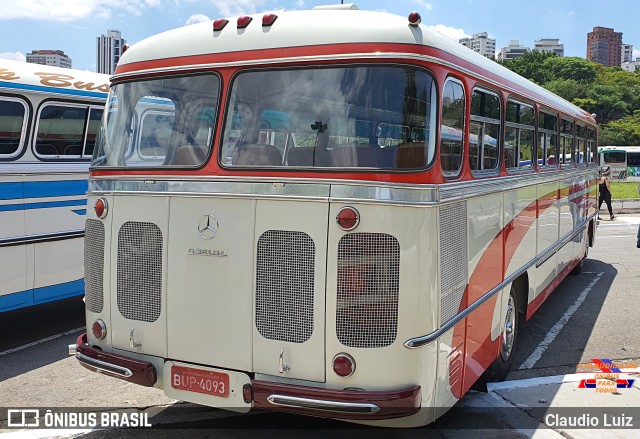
[611,93]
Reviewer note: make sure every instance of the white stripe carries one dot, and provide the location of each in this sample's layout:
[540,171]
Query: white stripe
[44,340]
[43,433]
[553,332]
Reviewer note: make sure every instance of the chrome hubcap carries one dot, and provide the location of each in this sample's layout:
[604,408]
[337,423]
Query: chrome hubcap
[508,334]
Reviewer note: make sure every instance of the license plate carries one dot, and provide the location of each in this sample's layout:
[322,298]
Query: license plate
[200,381]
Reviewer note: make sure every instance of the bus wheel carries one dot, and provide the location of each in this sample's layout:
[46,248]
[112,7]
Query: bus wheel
[501,367]
[578,268]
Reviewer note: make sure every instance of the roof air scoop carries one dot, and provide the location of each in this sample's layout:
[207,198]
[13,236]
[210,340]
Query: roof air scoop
[351,6]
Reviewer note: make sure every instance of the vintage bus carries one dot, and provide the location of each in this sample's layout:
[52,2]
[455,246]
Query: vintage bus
[49,120]
[623,160]
[327,224]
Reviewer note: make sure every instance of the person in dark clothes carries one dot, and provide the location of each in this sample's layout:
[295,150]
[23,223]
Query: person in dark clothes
[605,189]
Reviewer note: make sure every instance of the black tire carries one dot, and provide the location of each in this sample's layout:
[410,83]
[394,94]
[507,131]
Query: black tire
[578,268]
[501,366]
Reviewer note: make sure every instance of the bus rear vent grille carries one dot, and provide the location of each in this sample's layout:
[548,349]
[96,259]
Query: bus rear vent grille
[454,264]
[368,287]
[93,265]
[285,272]
[140,271]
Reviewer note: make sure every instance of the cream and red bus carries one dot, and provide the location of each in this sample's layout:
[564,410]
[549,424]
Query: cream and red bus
[332,212]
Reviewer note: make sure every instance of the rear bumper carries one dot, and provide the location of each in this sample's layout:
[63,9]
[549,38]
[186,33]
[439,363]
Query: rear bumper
[305,400]
[119,366]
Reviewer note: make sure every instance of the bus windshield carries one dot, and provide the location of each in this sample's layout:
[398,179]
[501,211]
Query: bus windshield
[377,117]
[159,122]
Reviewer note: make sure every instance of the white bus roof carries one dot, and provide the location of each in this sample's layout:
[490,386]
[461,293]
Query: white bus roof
[341,25]
[21,77]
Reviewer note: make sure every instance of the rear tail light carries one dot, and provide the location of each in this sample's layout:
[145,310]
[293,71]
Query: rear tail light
[268,19]
[344,365]
[247,393]
[99,329]
[348,218]
[219,24]
[414,19]
[244,21]
[101,208]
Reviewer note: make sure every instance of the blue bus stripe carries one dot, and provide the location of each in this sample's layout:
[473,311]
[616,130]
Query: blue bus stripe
[36,296]
[39,189]
[80,211]
[57,90]
[46,205]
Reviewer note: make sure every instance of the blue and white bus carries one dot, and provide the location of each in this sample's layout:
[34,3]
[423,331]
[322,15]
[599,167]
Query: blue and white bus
[49,119]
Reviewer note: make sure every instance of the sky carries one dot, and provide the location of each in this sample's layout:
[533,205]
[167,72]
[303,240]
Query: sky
[73,25]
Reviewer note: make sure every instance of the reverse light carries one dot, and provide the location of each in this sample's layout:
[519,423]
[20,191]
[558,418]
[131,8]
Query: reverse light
[244,21]
[101,208]
[348,218]
[219,24]
[99,329]
[414,19]
[344,365]
[268,19]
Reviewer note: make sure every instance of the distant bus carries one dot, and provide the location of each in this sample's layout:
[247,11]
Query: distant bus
[49,119]
[623,160]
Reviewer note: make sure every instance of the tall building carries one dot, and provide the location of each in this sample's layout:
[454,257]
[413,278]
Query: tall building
[109,51]
[627,53]
[481,43]
[55,58]
[549,45]
[604,46]
[512,51]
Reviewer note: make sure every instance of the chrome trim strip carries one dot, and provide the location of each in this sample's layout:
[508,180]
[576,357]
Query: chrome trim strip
[104,366]
[347,191]
[418,342]
[327,406]
[359,57]
[47,237]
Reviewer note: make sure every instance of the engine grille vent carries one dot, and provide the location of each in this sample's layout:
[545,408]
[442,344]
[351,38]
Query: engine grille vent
[93,265]
[368,287]
[454,260]
[285,271]
[140,271]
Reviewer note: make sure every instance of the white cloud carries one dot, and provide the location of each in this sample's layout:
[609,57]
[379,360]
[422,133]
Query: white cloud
[16,56]
[237,7]
[69,10]
[197,18]
[422,4]
[300,4]
[452,33]
[636,53]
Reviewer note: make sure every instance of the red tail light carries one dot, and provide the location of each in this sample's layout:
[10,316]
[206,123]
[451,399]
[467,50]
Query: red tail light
[348,218]
[268,19]
[414,19]
[101,208]
[244,21]
[247,393]
[219,24]
[344,365]
[99,329]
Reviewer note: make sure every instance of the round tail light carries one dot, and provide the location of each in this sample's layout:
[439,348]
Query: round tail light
[101,208]
[344,365]
[99,329]
[414,19]
[348,218]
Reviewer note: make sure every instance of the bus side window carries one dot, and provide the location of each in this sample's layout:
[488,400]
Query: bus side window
[485,126]
[452,128]
[12,116]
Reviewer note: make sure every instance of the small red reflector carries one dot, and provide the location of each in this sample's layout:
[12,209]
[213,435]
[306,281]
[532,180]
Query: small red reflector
[414,18]
[125,47]
[101,208]
[348,218]
[99,329]
[247,393]
[244,21]
[268,19]
[344,365]
[219,24]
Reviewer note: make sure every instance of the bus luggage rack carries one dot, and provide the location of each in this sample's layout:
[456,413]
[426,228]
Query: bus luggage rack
[94,265]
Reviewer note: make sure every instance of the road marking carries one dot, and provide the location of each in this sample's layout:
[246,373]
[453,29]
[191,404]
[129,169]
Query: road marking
[44,340]
[553,332]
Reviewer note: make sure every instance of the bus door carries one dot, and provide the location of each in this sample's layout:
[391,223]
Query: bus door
[246,286]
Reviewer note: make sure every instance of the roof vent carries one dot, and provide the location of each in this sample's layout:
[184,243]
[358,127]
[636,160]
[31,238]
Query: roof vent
[351,6]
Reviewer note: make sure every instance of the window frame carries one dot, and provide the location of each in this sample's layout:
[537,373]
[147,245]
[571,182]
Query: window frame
[24,129]
[547,132]
[519,127]
[482,172]
[458,173]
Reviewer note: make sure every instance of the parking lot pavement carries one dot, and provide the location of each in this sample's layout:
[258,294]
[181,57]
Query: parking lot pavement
[561,402]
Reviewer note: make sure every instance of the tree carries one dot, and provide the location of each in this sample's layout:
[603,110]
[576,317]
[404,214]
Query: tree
[531,66]
[568,89]
[578,69]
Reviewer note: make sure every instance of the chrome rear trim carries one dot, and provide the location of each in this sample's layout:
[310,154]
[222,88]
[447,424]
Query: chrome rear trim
[326,406]
[104,366]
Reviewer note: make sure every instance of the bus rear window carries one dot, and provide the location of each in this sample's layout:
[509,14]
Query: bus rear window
[373,117]
[159,122]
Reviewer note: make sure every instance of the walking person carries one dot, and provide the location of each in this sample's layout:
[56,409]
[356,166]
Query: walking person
[605,189]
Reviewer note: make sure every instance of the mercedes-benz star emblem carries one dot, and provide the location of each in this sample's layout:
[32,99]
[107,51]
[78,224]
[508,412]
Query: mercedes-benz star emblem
[208,226]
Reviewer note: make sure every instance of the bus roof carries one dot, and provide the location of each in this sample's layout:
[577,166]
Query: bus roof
[334,29]
[21,77]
